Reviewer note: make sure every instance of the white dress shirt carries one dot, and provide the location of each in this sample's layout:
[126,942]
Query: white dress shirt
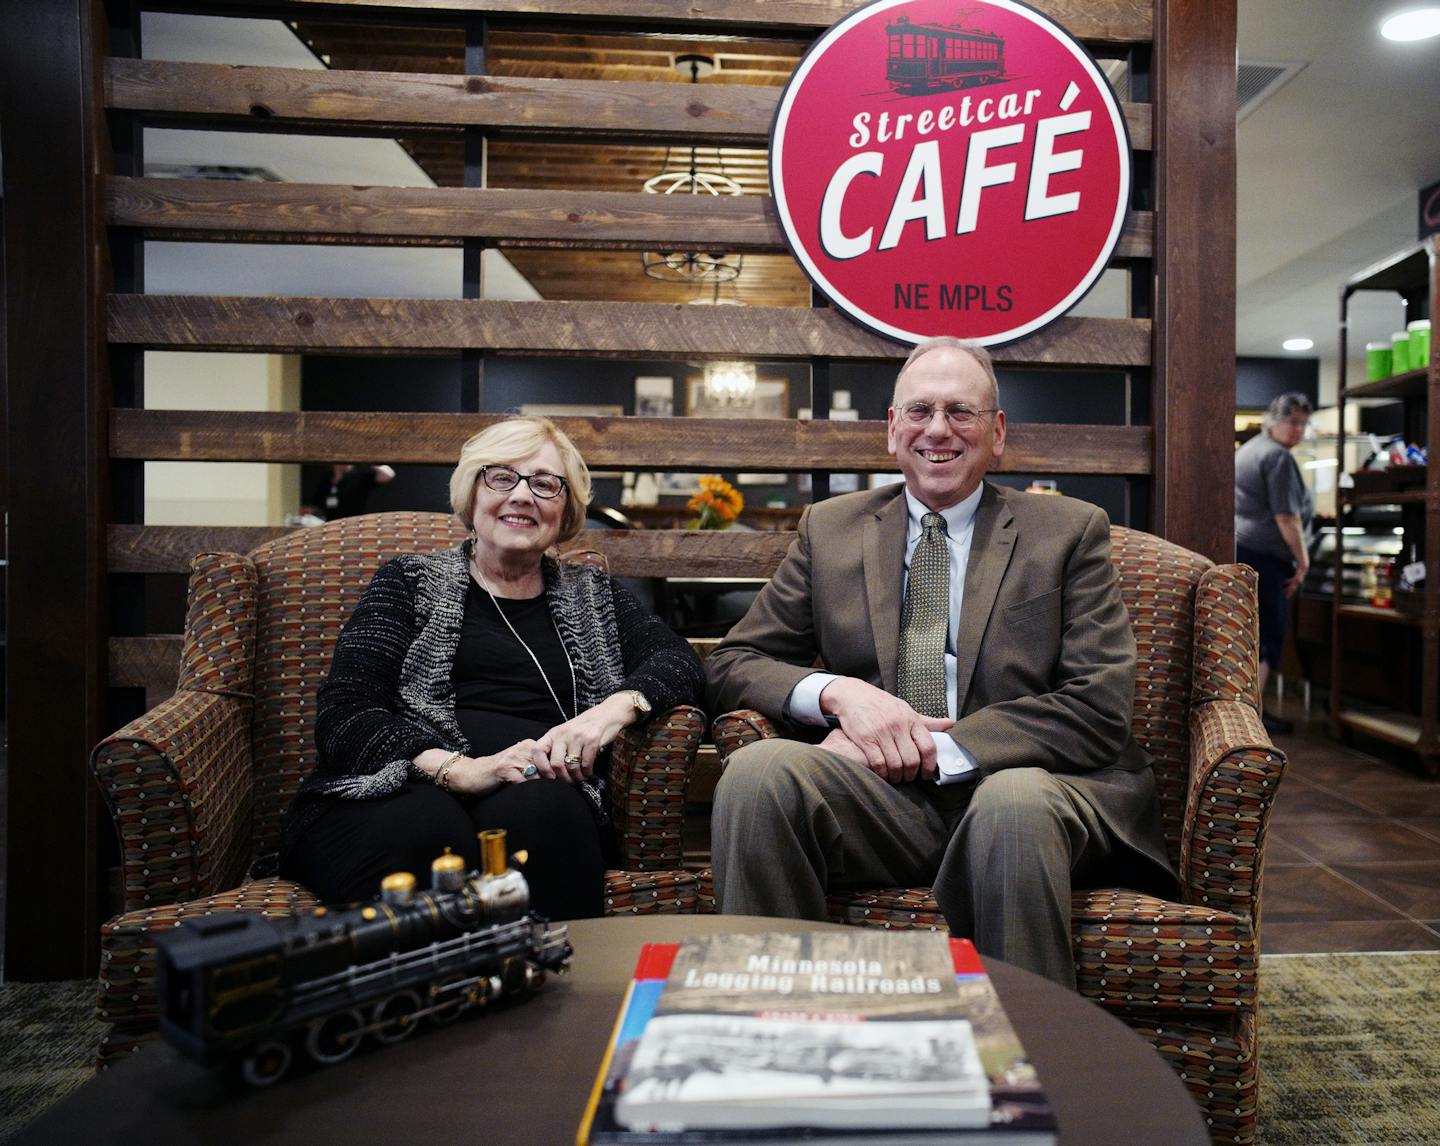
[954,762]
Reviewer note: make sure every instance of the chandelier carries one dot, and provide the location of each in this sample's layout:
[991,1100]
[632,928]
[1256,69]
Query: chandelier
[685,176]
[730,383]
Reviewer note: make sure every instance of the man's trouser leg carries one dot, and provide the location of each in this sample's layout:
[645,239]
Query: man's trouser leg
[792,821]
[1024,840]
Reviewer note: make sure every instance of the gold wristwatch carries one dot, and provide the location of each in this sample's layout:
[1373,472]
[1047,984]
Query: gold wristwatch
[638,699]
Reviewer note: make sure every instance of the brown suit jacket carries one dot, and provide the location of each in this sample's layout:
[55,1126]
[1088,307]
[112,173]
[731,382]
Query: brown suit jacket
[1046,656]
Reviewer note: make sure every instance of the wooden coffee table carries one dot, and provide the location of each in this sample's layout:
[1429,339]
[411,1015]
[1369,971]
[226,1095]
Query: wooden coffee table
[523,1073]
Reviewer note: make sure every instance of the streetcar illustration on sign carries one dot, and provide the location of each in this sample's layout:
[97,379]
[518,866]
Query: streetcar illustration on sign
[925,58]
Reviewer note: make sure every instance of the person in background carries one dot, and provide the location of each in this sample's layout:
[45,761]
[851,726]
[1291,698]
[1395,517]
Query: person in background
[346,490]
[481,687]
[1273,509]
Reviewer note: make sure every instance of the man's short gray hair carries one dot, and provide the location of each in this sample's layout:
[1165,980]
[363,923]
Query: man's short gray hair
[979,353]
[1286,404]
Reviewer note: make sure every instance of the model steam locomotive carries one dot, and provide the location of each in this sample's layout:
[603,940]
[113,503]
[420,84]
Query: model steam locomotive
[246,991]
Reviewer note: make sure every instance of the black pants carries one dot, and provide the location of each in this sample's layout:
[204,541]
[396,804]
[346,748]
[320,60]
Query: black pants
[343,856]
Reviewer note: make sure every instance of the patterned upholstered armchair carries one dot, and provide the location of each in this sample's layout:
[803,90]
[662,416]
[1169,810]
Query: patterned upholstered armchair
[1182,974]
[198,786]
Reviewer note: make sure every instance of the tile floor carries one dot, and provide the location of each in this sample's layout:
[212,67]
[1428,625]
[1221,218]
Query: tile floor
[1352,861]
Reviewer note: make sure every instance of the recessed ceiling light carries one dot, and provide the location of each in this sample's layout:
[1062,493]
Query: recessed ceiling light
[1298,344]
[1416,24]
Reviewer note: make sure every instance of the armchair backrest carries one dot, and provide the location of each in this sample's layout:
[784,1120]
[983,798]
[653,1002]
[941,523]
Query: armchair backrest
[307,585]
[1195,639]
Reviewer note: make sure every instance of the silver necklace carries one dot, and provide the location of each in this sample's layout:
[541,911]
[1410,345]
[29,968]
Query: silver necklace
[574,690]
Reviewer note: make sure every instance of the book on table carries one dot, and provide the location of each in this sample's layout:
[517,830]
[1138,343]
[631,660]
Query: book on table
[857,1035]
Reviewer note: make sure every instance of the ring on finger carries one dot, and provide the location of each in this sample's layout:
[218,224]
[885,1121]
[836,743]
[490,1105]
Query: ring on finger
[530,770]
[574,761]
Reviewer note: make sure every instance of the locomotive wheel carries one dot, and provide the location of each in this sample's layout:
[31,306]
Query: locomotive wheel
[334,1038]
[534,976]
[267,1063]
[393,1018]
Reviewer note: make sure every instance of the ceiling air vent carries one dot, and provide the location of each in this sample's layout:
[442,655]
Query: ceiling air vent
[1258,80]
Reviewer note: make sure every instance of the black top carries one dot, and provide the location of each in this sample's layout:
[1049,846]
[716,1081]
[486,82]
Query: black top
[499,696]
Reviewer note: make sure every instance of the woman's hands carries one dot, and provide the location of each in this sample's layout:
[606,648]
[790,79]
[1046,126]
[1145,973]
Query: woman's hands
[571,748]
[481,775]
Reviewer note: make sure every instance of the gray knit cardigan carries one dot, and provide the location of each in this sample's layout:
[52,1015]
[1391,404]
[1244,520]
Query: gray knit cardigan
[389,696]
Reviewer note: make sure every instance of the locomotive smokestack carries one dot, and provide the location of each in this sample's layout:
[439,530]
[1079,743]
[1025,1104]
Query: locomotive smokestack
[492,852]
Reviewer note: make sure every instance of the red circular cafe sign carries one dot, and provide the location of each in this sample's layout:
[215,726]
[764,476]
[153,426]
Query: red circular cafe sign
[950,169]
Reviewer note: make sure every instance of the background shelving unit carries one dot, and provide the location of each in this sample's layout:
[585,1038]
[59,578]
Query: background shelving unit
[1385,663]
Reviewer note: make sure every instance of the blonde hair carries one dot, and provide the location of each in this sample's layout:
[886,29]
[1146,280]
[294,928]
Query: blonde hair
[513,440]
[979,353]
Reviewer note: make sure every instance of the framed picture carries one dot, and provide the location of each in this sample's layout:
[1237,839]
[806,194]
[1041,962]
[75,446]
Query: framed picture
[772,400]
[577,410]
[654,397]
[676,484]
[568,410]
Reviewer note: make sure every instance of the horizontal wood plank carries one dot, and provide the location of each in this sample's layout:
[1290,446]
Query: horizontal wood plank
[170,548]
[629,552]
[684,444]
[1097,21]
[145,662]
[568,329]
[257,212]
[290,98]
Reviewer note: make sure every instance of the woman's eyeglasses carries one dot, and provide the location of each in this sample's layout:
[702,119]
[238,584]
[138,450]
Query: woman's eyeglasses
[502,479]
[960,416]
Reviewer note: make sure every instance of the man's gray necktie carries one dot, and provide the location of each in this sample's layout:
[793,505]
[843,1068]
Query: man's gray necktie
[925,621]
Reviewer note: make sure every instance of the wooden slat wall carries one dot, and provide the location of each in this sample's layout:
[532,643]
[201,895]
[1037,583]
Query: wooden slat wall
[522,107]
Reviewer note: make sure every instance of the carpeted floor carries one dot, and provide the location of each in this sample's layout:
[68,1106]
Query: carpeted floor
[1350,1048]
[48,1036]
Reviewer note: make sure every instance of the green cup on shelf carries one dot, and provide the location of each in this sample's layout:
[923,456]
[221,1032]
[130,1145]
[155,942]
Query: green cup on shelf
[1400,352]
[1419,332]
[1377,361]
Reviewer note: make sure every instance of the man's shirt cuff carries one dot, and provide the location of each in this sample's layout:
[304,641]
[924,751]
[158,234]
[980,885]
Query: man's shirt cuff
[953,763]
[803,704]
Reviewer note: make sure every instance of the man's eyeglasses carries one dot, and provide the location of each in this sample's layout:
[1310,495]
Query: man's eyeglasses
[960,416]
[502,479]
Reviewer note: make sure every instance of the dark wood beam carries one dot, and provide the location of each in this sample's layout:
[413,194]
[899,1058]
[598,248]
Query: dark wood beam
[1194,310]
[260,98]
[568,329]
[55,429]
[1095,21]
[695,444]
[213,209]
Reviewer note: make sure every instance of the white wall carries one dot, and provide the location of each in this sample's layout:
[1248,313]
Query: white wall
[220,493]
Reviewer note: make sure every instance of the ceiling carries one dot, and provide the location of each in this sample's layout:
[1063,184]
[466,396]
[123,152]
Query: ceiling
[1329,169]
[1329,165]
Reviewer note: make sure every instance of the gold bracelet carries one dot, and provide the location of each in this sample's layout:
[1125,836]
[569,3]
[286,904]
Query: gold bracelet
[442,774]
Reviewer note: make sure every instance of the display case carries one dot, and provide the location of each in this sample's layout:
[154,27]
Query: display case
[1385,640]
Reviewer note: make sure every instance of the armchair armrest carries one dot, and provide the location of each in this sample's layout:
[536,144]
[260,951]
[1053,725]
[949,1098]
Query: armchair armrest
[1235,772]
[649,772]
[733,730]
[178,783]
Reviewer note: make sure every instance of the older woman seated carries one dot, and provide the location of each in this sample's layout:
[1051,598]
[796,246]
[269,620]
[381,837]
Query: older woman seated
[480,687]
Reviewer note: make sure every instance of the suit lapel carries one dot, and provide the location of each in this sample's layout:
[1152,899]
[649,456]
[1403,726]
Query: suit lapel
[991,546]
[883,541]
